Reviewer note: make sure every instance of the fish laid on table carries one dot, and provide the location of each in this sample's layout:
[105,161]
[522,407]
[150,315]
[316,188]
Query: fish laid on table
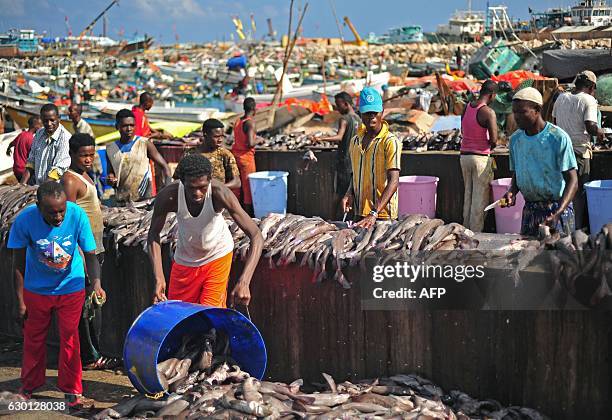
[13,198]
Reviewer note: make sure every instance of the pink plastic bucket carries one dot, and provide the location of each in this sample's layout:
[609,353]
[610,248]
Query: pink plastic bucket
[417,195]
[508,219]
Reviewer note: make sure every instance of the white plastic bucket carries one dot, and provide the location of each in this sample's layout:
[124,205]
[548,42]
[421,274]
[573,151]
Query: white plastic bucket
[269,192]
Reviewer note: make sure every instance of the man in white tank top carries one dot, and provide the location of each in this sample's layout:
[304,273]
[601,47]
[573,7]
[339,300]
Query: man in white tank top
[203,256]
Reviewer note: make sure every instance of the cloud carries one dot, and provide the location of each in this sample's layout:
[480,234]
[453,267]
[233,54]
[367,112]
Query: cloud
[171,8]
[13,8]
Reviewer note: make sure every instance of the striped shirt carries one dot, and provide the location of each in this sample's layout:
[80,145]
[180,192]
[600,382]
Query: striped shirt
[49,156]
[370,171]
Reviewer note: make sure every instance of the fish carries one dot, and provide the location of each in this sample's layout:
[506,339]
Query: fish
[173,408]
[423,231]
[250,390]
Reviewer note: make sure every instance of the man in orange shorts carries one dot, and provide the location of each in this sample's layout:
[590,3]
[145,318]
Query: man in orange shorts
[245,139]
[203,256]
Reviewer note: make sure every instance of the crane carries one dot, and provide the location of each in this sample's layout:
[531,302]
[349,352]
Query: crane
[360,42]
[93,22]
[239,28]
[68,28]
[271,31]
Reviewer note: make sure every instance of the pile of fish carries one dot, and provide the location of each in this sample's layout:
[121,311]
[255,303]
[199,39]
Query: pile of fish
[324,246]
[13,198]
[129,226]
[582,269]
[606,144]
[299,141]
[441,140]
[234,394]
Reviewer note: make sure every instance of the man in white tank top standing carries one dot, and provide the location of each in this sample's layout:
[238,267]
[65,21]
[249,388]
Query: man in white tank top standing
[203,256]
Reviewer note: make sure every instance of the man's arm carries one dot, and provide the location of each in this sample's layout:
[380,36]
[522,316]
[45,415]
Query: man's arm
[19,262]
[571,186]
[157,158]
[164,203]
[349,197]
[490,120]
[390,189]
[92,265]
[227,200]
[62,161]
[593,129]
[338,136]
[249,130]
[231,172]
[71,188]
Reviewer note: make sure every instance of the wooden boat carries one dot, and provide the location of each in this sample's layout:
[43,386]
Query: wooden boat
[21,114]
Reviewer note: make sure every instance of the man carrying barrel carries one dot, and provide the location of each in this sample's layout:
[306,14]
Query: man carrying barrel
[203,256]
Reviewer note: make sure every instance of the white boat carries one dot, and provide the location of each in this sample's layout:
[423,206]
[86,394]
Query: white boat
[313,91]
[464,25]
[163,113]
[592,13]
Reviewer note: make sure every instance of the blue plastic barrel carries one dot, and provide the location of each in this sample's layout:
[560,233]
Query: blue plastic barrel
[269,192]
[599,200]
[239,62]
[157,333]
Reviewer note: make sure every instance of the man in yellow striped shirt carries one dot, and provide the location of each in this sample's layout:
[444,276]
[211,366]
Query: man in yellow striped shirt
[375,158]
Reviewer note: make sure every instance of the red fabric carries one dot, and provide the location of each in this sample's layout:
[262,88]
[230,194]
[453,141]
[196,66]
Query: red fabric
[241,140]
[68,313]
[517,77]
[246,166]
[206,285]
[141,122]
[23,144]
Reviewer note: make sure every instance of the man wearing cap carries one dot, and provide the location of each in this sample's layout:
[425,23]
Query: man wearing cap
[576,113]
[375,155]
[543,165]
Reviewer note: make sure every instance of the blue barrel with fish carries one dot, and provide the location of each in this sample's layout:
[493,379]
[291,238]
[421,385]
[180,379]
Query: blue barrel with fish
[157,333]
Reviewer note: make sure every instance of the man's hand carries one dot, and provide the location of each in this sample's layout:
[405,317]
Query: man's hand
[367,222]
[160,291]
[22,313]
[111,180]
[240,295]
[510,200]
[347,203]
[600,136]
[552,220]
[100,293]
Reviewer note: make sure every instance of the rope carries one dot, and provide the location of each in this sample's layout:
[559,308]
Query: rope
[156,396]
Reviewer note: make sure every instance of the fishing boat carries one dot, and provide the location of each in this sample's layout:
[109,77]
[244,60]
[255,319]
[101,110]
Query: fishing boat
[401,35]
[163,113]
[179,72]
[21,113]
[313,91]
[592,13]
[464,25]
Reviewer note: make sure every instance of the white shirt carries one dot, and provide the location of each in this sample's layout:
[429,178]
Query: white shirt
[571,111]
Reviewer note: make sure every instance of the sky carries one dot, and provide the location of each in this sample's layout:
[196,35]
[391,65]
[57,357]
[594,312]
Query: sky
[209,20]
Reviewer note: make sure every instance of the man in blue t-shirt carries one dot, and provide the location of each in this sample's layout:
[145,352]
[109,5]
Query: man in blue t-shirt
[50,276]
[544,167]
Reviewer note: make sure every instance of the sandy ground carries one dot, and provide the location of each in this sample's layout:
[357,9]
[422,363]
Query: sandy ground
[105,388]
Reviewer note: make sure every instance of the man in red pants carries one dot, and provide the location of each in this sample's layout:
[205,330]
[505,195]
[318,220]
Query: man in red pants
[46,239]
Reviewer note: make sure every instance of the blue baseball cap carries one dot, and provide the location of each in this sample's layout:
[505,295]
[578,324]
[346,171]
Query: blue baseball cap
[370,100]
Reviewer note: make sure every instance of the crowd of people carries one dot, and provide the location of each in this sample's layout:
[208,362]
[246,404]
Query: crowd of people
[58,243]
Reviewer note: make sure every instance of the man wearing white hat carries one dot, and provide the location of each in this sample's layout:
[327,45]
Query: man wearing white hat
[576,113]
[544,167]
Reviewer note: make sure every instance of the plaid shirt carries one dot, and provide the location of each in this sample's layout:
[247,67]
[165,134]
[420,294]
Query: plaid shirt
[49,156]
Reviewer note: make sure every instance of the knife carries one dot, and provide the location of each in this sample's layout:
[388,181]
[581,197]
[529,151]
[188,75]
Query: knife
[493,205]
